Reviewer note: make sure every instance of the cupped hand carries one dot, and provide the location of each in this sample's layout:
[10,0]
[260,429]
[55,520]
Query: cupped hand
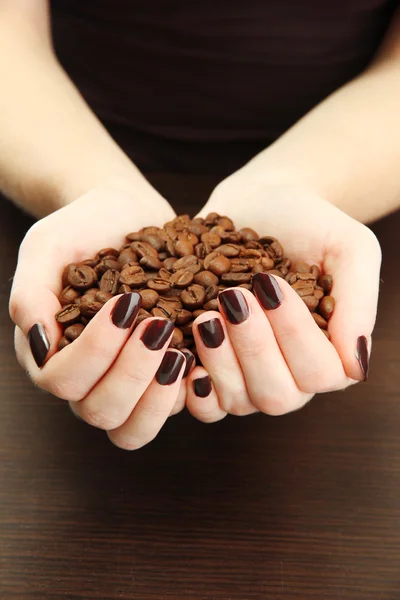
[266,353]
[122,381]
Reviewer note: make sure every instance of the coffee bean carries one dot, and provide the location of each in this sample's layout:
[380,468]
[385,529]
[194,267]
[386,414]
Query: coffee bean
[103,296]
[302,267]
[291,277]
[211,305]
[143,249]
[183,248]
[272,247]
[197,229]
[229,250]
[198,312]
[153,275]
[217,263]
[170,302]
[68,314]
[326,283]
[211,219]
[90,306]
[193,297]
[107,252]
[182,278]
[152,230]
[151,262]
[226,223]
[90,262]
[63,343]
[246,286]
[142,316]
[231,279]
[72,332]
[135,236]
[163,256]
[305,291]
[316,271]
[177,339]
[81,277]
[159,285]
[213,239]
[110,281]
[124,289]
[311,302]
[319,294]
[248,235]
[211,292]
[206,278]
[187,236]
[149,299]
[155,240]
[171,247]
[169,263]
[242,265]
[132,276]
[106,263]
[185,262]
[183,316]
[127,256]
[326,307]
[68,296]
[232,237]
[164,312]
[320,321]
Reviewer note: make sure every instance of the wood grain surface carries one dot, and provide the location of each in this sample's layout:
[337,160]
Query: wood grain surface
[304,506]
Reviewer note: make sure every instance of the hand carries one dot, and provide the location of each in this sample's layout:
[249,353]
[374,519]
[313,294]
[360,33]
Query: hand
[112,379]
[276,358]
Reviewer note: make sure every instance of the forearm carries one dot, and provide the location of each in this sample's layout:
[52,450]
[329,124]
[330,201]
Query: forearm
[348,148]
[52,147]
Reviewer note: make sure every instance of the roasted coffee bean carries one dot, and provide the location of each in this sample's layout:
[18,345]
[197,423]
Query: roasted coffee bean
[229,250]
[211,292]
[152,230]
[206,278]
[272,247]
[185,262]
[275,272]
[133,276]
[242,265]
[197,229]
[212,239]
[193,297]
[187,329]
[135,236]
[254,246]
[149,299]
[143,249]
[316,271]
[170,301]
[217,263]
[72,332]
[63,343]
[311,302]
[303,283]
[81,277]
[90,306]
[90,262]
[187,236]
[110,281]
[169,263]
[103,296]
[124,289]
[151,262]
[326,306]
[106,263]
[183,316]
[302,267]
[107,252]
[319,294]
[171,247]
[183,248]
[68,296]
[246,286]
[69,314]
[171,232]
[232,237]
[257,268]
[320,321]
[251,253]
[226,223]
[211,305]
[326,283]
[198,312]
[291,277]
[142,316]
[182,278]
[305,291]
[164,312]
[127,256]
[211,219]
[163,256]
[177,339]
[248,235]
[152,275]
[231,279]
[159,285]
[155,240]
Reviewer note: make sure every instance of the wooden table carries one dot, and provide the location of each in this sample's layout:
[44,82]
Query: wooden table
[302,506]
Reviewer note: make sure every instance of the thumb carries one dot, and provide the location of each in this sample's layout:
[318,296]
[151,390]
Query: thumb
[355,269]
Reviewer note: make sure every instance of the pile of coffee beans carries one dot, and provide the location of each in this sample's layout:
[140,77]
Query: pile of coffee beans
[179,270]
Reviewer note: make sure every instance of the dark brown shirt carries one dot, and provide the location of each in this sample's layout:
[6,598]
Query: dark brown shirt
[202,86]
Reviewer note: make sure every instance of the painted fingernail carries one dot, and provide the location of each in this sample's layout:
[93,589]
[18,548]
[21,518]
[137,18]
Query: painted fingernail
[362,355]
[212,333]
[39,343]
[157,333]
[267,291]
[189,357]
[126,310]
[234,305]
[170,367]
[202,386]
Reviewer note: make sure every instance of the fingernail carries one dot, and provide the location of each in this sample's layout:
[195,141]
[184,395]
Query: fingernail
[234,305]
[267,291]
[126,310]
[189,357]
[170,367]
[212,333]
[202,386]
[157,333]
[39,343]
[362,355]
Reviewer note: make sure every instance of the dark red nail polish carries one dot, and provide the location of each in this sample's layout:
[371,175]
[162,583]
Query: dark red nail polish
[212,333]
[267,291]
[202,386]
[189,357]
[234,305]
[170,367]
[39,343]
[157,333]
[362,355]
[126,309]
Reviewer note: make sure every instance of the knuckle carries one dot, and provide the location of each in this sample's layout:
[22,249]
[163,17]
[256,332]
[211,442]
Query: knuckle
[249,348]
[125,443]
[17,299]
[277,405]
[99,419]
[61,388]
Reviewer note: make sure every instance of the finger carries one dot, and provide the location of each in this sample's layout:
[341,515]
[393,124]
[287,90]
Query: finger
[202,400]
[113,399]
[220,361]
[355,270]
[154,407]
[269,381]
[71,373]
[311,358]
[181,399]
